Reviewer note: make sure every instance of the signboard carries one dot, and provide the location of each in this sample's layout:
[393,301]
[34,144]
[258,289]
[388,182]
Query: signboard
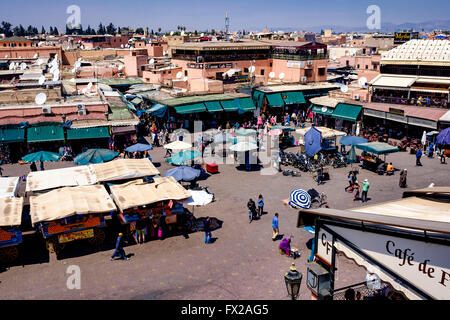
[396,117]
[295,64]
[399,112]
[422,122]
[375,113]
[195,65]
[219,66]
[324,246]
[424,265]
[84,234]
[402,37]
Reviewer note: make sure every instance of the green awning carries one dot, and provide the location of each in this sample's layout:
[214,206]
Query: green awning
[295,97]
[229,105]
[8,135]
[213,106]
[88,133]
[377,147]
[323,110]
[45,133]
[191,108]
[247,104]
[347,112]
[258,97]
[275,100]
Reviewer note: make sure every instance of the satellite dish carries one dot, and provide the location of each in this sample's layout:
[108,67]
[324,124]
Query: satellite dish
[35,56]
[77,64]
[72,80]
[79,60]
[41,98]
[120,67]
[121,46]
[41,80]
[185,79]
[89,86]
[362,81]
[344,89]
[281,76]
[171,33]
[179,75]
[84,91]
[252,69]
[152,61]
[12,66]
[182,33]
[272,75]
[202,35]
[6,56]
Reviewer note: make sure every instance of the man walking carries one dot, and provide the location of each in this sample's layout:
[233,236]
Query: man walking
[207,229]
[260,205]
[141,227]
[418,156]
[119,252]
[365,189]
[275,228]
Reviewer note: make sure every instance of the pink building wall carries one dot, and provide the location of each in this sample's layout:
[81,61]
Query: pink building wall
[29,52]
[295,74]
[134,64]
[155,50]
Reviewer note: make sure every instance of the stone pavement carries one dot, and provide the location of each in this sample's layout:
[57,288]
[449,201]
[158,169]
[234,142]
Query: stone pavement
[242,263]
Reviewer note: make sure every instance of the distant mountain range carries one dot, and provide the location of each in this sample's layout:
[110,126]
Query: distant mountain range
[427,26]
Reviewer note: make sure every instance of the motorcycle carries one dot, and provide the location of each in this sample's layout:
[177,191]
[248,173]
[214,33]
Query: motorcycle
[339,161]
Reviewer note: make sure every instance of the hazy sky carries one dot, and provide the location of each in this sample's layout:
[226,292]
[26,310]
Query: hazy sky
[208,14]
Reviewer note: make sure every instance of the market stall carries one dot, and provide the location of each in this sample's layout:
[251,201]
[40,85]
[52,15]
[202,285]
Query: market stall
[158,204]
[286,137]
[9,186]
[71,213]
[404,243]
[329,137]
[10,233]
[372,151]
[124,169]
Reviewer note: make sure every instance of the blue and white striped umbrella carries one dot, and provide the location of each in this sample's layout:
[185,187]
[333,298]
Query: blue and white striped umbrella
[300,199]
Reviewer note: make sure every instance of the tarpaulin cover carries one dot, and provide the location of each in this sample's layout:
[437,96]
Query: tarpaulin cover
[158,110]
[313,141]
[11,211]
[45,133]
[377,147]
[124,169]
[65,177]
[138,193]
[69,201]
[9,187]
[95,156]
[88,133]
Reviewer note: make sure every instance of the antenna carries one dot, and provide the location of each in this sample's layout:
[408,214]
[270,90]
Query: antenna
[23,66]
[362,81]
[41,98]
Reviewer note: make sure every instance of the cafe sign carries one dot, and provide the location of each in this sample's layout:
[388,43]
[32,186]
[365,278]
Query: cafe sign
[416,268]
[295,64]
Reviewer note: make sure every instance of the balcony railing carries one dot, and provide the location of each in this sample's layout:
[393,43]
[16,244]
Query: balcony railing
[436,103]
[221,58]
[295,57]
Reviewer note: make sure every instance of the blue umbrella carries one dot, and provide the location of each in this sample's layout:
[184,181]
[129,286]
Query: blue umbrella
[43,156]
[181,157]
[139,147]
[95,156]
[443,138]
[183,173]
[313,142]
[352,140]
[300,199]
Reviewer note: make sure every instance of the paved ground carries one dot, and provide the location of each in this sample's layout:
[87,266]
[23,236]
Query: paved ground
[242,263]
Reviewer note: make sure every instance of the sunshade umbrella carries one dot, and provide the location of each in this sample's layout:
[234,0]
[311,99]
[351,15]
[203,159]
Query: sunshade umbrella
[43,156]
[178,145]
[300,199]
[443,138]
[282,128]
[352,140]
[275,132]
[95,156]
[243,147]
[181,157]
[313,141]
[424,138]
[246,132]
[139,147]
[183,173]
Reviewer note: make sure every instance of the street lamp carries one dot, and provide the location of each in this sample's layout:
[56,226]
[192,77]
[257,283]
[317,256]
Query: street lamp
[293,280]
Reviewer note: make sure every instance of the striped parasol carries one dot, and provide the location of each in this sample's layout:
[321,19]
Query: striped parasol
[300,199]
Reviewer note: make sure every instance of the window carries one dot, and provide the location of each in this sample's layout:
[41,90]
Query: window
[24,44]
[262,72]
[308,73]
[271,64]
[245,69]
[143,68]
[347,63]
[164,72]
[170,72]
[321,71]
[20,44]
[357,66]
[367,66]
[185,73]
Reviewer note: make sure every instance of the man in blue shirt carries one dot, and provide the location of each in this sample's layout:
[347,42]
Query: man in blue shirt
[260,205]
[119,252]
[275,229]
[418,155]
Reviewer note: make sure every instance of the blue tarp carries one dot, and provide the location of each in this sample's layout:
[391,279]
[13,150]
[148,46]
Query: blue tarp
[352,140]
[139,147]
[443,137]
[158,110]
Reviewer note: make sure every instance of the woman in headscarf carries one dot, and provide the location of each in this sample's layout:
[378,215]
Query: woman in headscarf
[402,182]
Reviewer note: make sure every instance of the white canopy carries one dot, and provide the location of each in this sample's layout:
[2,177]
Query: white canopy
[199,198]
[9,186]
[178,145]
[243,146]
[11,211]
[122,169]
[230,72]
[65,177]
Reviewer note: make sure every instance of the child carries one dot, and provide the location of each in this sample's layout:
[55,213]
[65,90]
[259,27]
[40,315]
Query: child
[260,205]
[356,191]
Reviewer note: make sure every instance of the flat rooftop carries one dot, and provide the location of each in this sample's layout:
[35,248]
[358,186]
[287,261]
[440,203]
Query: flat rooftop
[221,45]
[298,87]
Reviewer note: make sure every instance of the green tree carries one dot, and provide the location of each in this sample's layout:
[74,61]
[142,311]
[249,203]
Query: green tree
[111,29]
[43,30]
[159,30]
[101,29]
[140,31]
[5,28]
